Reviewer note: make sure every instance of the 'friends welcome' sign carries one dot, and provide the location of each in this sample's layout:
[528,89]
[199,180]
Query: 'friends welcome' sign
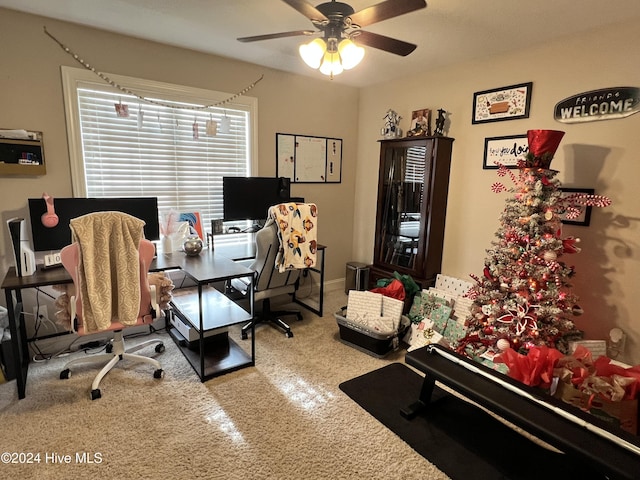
[604,104]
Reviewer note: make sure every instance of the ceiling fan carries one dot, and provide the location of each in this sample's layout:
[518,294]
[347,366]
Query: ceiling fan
[340,24]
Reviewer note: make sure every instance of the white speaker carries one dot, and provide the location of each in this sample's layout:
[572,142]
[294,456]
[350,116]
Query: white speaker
[25,259]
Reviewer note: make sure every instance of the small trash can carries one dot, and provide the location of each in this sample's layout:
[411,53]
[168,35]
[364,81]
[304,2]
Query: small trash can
[356,277]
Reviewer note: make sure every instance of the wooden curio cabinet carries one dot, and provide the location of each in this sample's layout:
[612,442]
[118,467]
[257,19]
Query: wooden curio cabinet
[413,186]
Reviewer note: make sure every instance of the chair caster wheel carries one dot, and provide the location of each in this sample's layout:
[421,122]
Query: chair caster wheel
[299,316]
[244,335]
[95,394]
[160,348]
[289,334]
[64,374]
[159,373]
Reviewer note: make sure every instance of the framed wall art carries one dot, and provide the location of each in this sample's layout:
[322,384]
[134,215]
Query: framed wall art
[585,215]
[306,159]
[504,103]
[504,151]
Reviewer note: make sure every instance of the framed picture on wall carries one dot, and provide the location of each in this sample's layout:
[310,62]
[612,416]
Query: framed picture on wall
[504,151]
[585,214]
[504,103]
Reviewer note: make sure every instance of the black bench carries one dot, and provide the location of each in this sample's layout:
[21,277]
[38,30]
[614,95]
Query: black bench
[610,451]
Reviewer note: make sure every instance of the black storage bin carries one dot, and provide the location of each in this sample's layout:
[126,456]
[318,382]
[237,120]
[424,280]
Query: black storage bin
[367,340]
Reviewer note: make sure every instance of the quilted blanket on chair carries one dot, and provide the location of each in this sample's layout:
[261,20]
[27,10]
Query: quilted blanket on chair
[109,268]
[298,234]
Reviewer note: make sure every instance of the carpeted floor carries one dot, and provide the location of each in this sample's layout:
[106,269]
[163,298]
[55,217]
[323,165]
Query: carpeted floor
[286,418]
[459,438]
[283,419]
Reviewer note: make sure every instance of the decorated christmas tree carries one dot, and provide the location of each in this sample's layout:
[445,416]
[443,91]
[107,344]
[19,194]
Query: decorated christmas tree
[524,296]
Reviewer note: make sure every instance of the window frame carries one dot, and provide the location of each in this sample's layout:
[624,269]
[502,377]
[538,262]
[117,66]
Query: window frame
[74,78]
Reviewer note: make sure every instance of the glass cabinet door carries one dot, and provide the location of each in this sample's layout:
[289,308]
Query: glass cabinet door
[404,167]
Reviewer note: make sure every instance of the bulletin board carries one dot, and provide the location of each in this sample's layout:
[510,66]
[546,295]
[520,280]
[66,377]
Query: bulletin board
[306,159]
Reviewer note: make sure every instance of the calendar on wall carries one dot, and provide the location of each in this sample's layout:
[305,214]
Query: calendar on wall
[307,159]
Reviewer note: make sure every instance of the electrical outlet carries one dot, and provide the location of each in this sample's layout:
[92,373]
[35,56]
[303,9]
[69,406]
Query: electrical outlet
[41,312]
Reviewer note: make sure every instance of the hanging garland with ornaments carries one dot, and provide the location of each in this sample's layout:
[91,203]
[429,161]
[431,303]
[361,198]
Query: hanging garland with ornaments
[524,297]
[127,91]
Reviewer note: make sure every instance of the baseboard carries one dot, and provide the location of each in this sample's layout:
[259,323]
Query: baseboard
[333,285]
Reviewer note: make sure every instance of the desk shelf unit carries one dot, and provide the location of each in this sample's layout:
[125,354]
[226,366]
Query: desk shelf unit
[209,350]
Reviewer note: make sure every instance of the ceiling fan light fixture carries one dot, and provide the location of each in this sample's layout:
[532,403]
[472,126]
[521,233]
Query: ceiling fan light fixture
[339,23]
[331,64]
[350,53]
[312,53]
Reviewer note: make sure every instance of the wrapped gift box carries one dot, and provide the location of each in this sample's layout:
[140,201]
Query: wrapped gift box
[423,334]
[423,304]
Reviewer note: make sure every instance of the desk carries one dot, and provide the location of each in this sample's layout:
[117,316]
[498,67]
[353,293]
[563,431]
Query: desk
[205,268]
[243,248]
[246,250]
[209,310]
[13,284]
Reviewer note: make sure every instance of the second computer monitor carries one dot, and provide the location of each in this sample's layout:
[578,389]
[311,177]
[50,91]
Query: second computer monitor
[249,198]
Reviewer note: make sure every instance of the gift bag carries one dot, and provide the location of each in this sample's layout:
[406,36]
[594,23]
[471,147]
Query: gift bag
[622,414]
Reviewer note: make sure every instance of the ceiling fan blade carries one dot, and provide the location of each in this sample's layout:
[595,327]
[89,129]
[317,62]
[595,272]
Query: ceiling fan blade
[270,36]
[384,10]
[387,44]
[306,9]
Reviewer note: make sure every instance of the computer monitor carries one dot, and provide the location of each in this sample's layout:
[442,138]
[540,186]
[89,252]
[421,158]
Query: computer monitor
[56,238]
[249,198]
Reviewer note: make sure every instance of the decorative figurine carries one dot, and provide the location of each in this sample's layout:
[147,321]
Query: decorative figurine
[440,123]
[391,122]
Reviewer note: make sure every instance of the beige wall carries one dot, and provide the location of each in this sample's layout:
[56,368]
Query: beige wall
[602,155]
[32,99]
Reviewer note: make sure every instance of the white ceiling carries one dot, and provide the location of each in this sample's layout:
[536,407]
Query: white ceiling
[446,32]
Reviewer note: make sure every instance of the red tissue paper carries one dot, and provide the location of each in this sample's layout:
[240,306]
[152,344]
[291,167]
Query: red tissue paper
[395,289]
[534,369]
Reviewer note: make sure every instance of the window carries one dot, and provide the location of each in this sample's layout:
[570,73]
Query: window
[161,148]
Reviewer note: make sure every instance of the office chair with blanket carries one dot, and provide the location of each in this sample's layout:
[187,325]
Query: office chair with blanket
[284,247]
[269,282]
[108,263]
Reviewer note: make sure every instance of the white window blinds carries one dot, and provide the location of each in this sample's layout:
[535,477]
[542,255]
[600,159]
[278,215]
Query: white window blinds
[165,149]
